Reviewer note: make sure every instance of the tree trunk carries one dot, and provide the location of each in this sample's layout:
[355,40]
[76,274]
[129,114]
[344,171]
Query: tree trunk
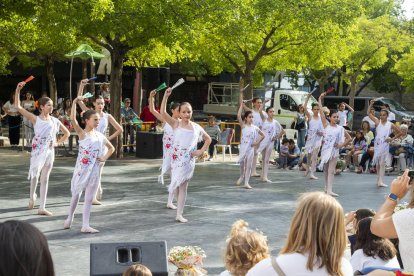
[117,64]
[51,79]
[353,80]
[137,98]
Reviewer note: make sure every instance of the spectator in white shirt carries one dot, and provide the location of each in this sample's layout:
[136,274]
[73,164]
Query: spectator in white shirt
[315,244]
[372,250]
[343,113]
[388,224]
[391,115]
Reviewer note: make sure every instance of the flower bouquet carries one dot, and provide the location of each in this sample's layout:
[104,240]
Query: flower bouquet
[188,260]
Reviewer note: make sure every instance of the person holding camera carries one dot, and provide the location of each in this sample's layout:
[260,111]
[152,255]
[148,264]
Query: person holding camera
[387,224]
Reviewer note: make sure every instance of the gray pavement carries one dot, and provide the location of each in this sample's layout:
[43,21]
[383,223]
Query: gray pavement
[134,206]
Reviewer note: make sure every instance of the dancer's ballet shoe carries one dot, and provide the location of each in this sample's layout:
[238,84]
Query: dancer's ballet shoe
[265,180]
[44,212]
[67,224]
[181,219]
[333,194]
[247,186]
[311,176]
[171,206]
[381,185]
[31,204]
[306,173]
[239,181]
[96,202]
[89,230]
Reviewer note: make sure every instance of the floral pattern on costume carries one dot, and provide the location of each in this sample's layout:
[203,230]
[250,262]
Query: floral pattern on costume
[167,143]
[249,136]
[314,135]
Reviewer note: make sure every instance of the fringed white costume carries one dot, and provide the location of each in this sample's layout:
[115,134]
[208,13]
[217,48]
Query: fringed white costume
[43,153]
[167,145]
[381,147]
[249,136]
[87,168]
[182,163]
[332,136]
[314,134]
[271,130]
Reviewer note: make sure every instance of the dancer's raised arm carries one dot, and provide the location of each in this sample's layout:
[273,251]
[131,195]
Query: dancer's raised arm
[207,141]
[239,115]
[371,116]
[152,107]
[82,84]
[79,131]
[167,118]
[305,106]
[323,117]
[28,115]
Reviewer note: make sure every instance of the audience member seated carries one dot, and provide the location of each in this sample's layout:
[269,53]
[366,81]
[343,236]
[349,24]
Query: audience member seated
[214,131]
[293,155]
[24,250]
[401,146]
[367,131]
[359,146]
[372,250]
[315,244]
[387,224]
[137,270]
[354,217]
[245,248]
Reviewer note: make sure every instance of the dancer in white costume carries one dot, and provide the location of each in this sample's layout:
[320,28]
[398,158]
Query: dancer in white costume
[314,137]
[258,113]
[381,142]
[184,151]
[104,120]
[248,143]
[94,150]
[335,138]
[167,142]
[46,128]
[273,131]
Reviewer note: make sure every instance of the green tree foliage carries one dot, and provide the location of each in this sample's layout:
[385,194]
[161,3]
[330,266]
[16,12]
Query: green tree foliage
[404,68]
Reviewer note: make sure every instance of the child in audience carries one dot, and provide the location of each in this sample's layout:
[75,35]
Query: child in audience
[137,270]
[284,151]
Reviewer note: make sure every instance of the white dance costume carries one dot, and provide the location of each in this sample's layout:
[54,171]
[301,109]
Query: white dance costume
[381,147]
[87,168]
[103,123]
[43,152]
[182,163]
[271,130]
[314,135]
[332,136]
[167,145]
[249,136]
[257,119]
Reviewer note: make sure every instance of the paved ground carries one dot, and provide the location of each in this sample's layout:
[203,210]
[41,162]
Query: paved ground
[134,206]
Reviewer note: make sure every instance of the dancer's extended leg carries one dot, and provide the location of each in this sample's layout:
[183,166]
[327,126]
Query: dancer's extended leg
[44,183]
[170,203]
[265,163]
[330,177]
[248,169]
[182,196]
[313,162]
[242,171]
[98,194]
[381,171]
[90,192]
[72,208]
[253,164]
[32,199]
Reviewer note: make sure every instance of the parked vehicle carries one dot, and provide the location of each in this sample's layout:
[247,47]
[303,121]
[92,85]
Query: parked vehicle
[223,102]
[361,105]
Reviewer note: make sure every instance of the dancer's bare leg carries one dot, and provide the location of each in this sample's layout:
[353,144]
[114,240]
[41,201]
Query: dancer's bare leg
[331,175]
[72,208]
[313,157]
[90,192]
[44,183]
[98,194]
[265,163]
[32,196]
[182,196]
[381,171]
[170,204]
[248,170]
[242,172]
[254,164]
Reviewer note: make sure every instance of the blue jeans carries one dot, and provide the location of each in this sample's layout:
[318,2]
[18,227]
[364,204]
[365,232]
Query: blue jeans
[301,138]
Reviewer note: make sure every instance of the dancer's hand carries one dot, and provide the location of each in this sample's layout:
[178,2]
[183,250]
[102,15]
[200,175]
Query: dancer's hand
[254,144]
[197,153]
[350,217]
[153,93]
[20,85]
[168,91]
[84,81]
[389,139]
[80,98]
[400,185]
[101,159]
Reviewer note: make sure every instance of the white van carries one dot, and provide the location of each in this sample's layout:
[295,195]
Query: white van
[285,103]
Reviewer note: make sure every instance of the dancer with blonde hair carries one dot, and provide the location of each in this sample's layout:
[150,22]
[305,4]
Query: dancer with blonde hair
[46,128]
[186,136]
[316,241]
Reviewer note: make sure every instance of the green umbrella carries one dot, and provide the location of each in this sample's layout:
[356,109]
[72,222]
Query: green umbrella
[84,52]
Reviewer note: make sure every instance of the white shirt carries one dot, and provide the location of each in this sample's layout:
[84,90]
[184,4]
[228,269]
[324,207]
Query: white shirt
[371,122]
[343,117]
[294,264]
[404,225]
[10,107]
[359,261]
[225,273]
[391,116]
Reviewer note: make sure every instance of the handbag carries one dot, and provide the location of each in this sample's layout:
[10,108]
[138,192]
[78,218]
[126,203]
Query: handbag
[276,267]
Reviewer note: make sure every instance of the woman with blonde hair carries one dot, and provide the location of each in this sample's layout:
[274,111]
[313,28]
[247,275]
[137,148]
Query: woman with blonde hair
[245,248]
[316,241]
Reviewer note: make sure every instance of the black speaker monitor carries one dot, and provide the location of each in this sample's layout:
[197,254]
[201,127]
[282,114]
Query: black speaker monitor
[112,259]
